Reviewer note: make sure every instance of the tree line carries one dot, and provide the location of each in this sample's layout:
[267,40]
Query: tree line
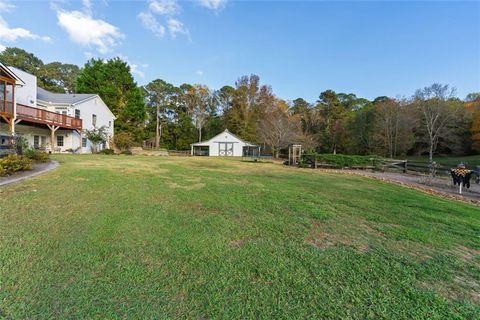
[432,120]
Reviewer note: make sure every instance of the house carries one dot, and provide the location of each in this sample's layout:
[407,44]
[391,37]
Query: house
[224,144]
[51,121]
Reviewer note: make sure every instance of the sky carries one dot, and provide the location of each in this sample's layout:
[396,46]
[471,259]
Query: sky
[300,48]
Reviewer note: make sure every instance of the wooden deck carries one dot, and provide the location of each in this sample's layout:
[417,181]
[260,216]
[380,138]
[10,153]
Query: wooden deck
[41,116]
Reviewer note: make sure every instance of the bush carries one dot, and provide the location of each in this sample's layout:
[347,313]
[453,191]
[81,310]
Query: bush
[123,141]
[106,151]
[36,155]
[127,152]
[13,163]
[340,160]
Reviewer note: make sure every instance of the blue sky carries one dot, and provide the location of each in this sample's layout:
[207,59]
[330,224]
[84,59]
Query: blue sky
[299,48]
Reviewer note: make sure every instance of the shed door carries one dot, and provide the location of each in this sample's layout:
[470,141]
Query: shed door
[225,149]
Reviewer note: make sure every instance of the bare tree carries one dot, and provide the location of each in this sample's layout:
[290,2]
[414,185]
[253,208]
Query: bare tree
[438,109]
[393,126]
[278,127]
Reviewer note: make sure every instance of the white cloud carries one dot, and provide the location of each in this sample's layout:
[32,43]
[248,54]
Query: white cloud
[8,34]
[135,68]
[2,47]
[164,7]
[87,6]
[199,73]
[6,7]
[151,23]
[176,27]
[215,5]
[89,32]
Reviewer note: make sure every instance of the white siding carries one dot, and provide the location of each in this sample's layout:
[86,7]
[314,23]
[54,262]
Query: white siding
[223,137]
[27,94]
[104,117]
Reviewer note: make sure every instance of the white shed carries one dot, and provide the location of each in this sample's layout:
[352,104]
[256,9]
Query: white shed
[224,144]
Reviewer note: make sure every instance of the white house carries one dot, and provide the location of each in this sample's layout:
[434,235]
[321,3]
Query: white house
[50,121]
[224,144]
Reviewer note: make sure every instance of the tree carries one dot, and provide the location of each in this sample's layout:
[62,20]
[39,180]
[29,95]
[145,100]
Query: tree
[96,137]
[55,76]
[113,81]
[199,102]
[473,105]
[393,126]
[334,116]
[277,127]
[21,59]
[249,102]
[58,77]
[438,109]
[159,97]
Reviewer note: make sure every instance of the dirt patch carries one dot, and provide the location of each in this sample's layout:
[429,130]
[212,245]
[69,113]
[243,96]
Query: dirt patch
[348,231]
[467,254]
[460,288]
[194,186]
[363,235]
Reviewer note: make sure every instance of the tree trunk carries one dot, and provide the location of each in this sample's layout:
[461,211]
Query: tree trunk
[200,134]
[430,153]
[157,132]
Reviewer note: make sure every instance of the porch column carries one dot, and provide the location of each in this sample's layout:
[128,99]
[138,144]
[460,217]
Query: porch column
[191,151]
[53,129]
[14,111]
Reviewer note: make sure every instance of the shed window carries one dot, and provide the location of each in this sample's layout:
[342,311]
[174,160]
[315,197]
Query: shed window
[77,113]
[84,142]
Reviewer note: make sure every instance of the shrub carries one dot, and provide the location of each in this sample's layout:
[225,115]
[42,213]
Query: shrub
[106,151]
[36,155]
[13,163]
[127,152]
[123,141]
[340,160]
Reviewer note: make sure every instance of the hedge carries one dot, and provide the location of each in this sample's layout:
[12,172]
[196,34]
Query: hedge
[340,160]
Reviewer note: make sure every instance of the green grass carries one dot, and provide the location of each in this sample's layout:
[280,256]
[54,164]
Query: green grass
[112,237]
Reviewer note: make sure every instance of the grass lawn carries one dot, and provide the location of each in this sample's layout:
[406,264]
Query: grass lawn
[147,237]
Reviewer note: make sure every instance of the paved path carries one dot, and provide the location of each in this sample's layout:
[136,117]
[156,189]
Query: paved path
[38,169]
[439,186]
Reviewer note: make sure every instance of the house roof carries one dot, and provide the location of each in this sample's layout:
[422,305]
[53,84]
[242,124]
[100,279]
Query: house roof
[206,142]
[63,98]
[9,71]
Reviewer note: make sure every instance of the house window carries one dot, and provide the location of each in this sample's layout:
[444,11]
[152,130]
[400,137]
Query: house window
[109,124]
[77,113]
[94,120]
[64,112]
[36,142]
[59,141]
[84,142]
[43,141]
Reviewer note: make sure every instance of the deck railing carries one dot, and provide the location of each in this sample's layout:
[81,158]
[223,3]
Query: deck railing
[47,117]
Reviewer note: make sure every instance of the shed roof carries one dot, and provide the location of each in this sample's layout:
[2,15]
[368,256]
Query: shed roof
[207,142]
